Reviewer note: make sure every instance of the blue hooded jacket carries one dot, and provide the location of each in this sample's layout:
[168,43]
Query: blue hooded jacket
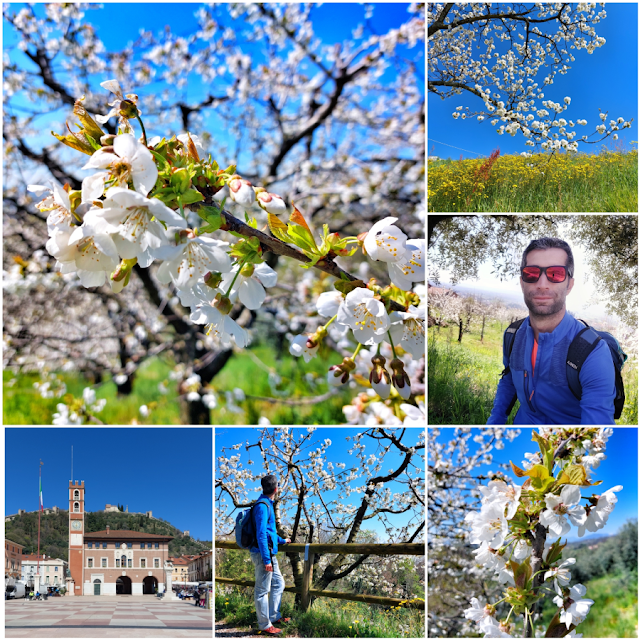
[265,521]
[545,398]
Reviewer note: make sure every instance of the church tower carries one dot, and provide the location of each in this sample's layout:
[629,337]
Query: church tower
[76,535]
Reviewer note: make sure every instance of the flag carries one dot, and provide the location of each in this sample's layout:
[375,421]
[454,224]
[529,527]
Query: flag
[41,503]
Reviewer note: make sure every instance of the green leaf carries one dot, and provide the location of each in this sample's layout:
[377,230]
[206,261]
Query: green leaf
[190,196]
[277,228]
[302,238]
[213,218]
[250,221]
[161,161]
[576,474]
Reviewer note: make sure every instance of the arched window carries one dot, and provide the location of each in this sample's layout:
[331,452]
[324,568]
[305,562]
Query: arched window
[76,507]
[123,561]
[76,495]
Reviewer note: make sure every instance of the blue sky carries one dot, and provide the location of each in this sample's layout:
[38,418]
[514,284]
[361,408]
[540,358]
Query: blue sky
[336,453]
[148,469]
[333,22]
[606,79]
[620,467]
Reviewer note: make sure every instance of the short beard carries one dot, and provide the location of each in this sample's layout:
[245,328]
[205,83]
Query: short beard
[546,310]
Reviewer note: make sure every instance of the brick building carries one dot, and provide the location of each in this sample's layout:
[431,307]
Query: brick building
[113,562]
[13,560]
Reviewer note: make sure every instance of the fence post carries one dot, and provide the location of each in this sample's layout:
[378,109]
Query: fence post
[307,575]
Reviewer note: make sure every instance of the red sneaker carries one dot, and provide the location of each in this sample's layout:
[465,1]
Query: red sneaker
[281,621]
[272,630]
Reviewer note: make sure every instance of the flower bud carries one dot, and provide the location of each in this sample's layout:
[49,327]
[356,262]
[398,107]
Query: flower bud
[223,304]
[213,279]
[336,377]
[379,377]
[316,338]
[400,378]
[128,109]
[271,202]
[247,270]
[181,180]
[241,191]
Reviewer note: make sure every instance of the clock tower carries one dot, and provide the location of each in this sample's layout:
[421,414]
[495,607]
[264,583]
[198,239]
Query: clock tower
[76,536]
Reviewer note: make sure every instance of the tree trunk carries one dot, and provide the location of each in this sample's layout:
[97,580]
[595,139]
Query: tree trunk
[482,333]
[460,331]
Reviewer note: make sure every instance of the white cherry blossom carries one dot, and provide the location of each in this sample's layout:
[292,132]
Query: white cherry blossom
[185,263]
[559,508]
[250,288]
[410,269]
[129,160]
[386,242]
[220,326]
[366,316]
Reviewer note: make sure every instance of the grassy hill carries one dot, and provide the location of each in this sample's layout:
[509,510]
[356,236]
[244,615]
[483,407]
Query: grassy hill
[544,182]
[54,531]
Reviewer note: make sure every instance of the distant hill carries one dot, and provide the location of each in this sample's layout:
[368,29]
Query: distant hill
[54,531]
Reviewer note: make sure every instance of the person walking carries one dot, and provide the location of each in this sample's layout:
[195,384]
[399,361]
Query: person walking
[269,581]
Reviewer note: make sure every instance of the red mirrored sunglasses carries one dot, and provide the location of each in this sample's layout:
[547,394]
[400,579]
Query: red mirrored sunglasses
[554,274]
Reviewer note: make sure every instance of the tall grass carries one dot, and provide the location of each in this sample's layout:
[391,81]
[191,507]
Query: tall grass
[605,182]
[463,377]
[326,618]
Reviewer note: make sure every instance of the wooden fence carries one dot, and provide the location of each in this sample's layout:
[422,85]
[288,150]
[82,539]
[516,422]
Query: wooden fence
[408,549]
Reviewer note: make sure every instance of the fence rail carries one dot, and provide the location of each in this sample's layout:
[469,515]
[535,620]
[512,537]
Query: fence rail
[409,548]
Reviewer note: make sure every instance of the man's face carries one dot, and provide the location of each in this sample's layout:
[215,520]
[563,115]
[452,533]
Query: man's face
[544,298]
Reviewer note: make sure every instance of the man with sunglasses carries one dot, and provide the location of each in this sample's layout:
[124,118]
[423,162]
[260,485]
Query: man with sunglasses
[535,371]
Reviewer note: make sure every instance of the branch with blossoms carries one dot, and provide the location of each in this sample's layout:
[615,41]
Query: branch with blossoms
[139,206]
[505,82]
[520,527]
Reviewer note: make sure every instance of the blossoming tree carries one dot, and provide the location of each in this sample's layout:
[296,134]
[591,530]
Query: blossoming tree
[520,528]
[516,42]
[305,511]
[453,482]
[169,229]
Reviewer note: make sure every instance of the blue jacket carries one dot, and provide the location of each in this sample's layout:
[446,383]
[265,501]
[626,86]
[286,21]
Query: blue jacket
[545,398]
[265,521]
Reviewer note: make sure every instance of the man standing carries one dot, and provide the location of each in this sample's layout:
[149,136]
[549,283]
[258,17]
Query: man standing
[535,371]
[269,580]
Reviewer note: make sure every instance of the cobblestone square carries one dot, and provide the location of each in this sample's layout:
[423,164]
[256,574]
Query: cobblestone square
[106,617]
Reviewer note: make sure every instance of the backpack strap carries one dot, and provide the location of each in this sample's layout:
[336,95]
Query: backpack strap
[507,342]
[254,519]
[507,346]
[579,350]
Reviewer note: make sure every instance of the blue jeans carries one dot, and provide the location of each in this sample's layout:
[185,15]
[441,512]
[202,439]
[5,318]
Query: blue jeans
[268,591]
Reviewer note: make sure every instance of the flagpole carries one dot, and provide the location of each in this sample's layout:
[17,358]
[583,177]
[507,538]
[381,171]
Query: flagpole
[39,512]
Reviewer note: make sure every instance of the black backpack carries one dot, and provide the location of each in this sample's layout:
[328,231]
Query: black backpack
[246,528]
[579,349]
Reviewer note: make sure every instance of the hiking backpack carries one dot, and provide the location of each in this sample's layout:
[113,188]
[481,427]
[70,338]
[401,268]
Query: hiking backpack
[579,349]
[246,527]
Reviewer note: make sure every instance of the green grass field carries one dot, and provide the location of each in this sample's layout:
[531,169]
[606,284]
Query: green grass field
[24,405]
[326,618]
[605,182]
[463,378]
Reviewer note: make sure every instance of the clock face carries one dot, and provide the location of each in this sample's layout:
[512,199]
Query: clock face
[76,525]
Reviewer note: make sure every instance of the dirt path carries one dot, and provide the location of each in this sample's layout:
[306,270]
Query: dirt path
[224,630]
